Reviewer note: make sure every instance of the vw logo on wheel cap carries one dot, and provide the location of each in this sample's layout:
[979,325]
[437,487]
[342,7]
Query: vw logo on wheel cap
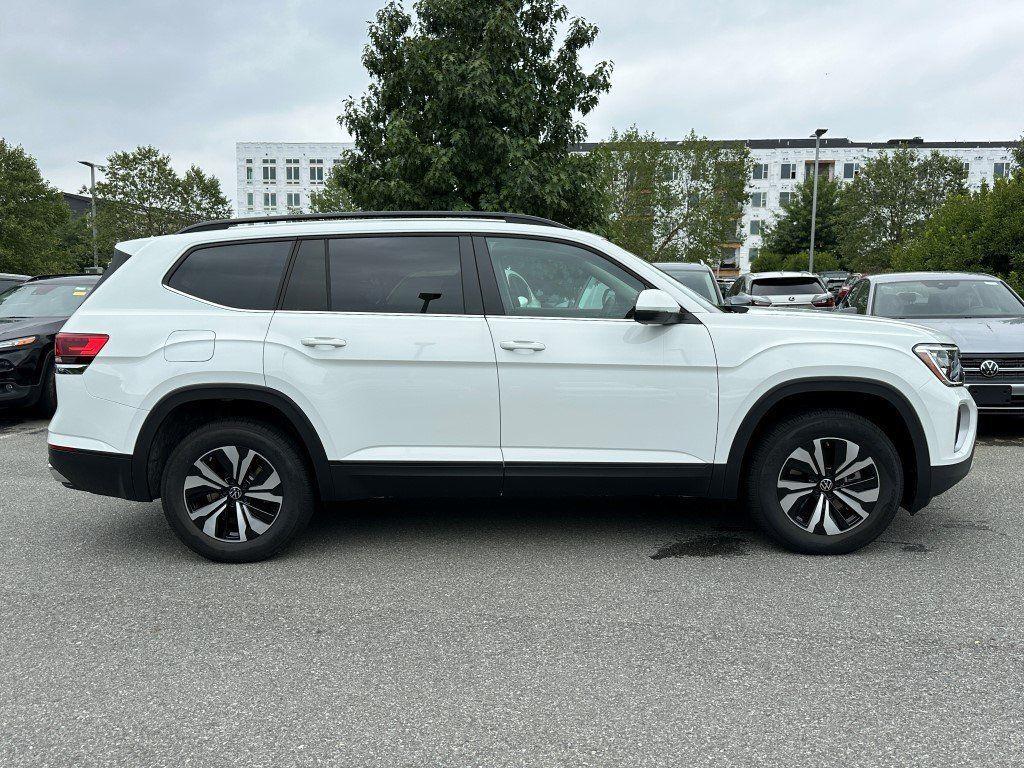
[989,368]
[825,485]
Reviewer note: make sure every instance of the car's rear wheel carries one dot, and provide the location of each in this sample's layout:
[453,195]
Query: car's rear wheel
[825,482]
[237,491]
[46,405]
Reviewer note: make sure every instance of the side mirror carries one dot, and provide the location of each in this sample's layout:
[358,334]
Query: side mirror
[654,307]
[739,300]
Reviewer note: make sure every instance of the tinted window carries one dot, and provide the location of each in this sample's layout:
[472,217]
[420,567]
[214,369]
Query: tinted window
[946,298]
[785,286]
[242,275]
[544,279]
[5,283]
[859,297]
[699,281]
[45,299]
[396,274]
[307,284]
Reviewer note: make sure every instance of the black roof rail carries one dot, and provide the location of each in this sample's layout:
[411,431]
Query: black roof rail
[508,218]
[52,277]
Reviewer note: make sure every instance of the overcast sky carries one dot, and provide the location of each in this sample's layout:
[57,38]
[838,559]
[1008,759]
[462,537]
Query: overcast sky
[79,80]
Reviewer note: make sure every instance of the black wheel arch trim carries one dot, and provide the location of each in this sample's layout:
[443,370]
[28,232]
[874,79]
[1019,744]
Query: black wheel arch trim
[212,392]
[725,481]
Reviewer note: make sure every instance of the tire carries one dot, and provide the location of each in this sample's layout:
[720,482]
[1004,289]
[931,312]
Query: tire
[46,405]
[831,509]
[208,507]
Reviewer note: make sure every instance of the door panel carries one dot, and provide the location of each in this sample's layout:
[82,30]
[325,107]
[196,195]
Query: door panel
[587,393]
[397,396]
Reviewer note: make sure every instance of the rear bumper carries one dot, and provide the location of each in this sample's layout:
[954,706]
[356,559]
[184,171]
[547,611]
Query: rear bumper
[105,474]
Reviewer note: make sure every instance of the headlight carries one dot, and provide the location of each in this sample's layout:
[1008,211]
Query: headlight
[24,341]
[944,361]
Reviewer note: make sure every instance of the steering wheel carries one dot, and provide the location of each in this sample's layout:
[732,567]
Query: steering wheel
[520,290]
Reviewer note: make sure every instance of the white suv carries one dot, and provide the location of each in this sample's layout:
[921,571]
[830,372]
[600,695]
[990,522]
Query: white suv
[242,372]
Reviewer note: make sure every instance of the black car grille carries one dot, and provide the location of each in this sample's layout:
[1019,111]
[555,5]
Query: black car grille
[1011,368]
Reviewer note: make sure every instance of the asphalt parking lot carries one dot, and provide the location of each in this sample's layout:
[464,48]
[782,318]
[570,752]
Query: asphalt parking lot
[580,633]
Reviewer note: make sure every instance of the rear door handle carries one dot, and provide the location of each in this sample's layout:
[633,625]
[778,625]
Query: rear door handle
[536,346]
[323,341]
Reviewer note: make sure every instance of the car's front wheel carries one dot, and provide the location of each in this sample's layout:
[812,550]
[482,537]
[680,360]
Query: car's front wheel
[237,491]
[825,482]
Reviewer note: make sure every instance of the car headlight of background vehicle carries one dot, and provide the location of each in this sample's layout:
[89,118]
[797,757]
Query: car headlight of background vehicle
[944,361]
[24,341]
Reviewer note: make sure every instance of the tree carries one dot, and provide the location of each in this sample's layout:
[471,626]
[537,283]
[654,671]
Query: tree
[982,231]
[791,233]
[1017,153]
[35,223]
[142,196]
[673,201]
[475,106]
[767,261]
[333,197]
[890,202]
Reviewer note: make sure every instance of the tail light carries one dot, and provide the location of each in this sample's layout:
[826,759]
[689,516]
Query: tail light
[74,351]
[823,300]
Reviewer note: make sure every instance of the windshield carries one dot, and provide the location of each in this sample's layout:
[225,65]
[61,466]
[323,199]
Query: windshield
[785,286]
[43,299]
[700,282]
[946,298]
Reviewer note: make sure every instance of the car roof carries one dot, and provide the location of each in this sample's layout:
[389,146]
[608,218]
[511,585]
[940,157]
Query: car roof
[759,275]
[904,277]
[682,266]
[60,279]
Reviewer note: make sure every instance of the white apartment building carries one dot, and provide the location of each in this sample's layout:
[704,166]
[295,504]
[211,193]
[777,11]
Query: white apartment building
[780,165]
[278,177]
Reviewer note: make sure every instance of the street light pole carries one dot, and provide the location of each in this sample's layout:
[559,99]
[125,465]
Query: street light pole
[92,194]
[814,195]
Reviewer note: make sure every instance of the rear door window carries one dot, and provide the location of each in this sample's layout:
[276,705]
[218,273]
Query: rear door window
[239,275]
[409,275]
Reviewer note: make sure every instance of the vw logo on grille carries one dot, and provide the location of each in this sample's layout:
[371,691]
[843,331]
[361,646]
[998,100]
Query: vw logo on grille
[989,368]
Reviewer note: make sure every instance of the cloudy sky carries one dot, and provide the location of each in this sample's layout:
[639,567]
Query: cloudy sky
[79,80]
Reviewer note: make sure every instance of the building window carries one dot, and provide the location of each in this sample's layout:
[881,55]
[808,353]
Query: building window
[967,168]
[248,171]
[1000,170]
[269,171]
[270,200]
[291,171]
[788,171]
[761,170]
[316,171]
[851,170]
[759,200]
[248,200]
[752,254]
[294,200]
[755,227]
[784,198]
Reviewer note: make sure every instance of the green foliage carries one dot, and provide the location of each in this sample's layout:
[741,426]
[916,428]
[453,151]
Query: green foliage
[768,261]
[333,197]
[142,196]
[890,202]
[791,232]
[672,202]
[36,229]
[980,231]
[473,106]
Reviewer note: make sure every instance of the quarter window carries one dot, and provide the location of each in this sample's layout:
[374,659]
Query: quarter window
[538,278]
[240,275]
[396,274]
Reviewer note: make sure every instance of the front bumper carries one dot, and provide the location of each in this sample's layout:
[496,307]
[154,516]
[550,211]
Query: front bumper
[1013,404]
[105,474]
[946,476]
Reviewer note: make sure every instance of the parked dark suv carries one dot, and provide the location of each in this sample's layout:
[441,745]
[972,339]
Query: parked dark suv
[31,314]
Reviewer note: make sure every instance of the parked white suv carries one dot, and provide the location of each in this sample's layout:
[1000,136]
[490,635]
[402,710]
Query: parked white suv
[241,373]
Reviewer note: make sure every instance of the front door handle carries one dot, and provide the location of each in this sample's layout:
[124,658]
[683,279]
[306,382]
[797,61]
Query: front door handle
[323,341]
[511,346]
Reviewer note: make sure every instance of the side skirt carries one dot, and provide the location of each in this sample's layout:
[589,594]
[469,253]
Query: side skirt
[353,480]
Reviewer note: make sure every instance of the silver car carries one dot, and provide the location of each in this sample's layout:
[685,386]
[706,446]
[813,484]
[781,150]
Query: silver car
[793,290]
[697,276]
[981,313]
